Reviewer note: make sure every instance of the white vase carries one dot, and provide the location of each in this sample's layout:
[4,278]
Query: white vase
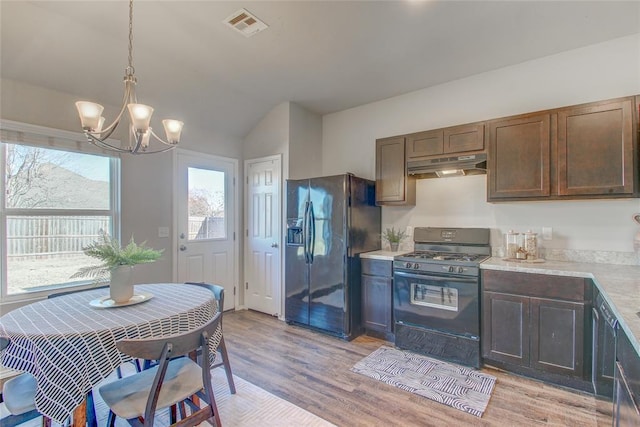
[394,246]
[121,286]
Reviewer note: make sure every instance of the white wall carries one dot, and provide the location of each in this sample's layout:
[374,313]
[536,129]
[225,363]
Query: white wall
[305,143]
[601,71]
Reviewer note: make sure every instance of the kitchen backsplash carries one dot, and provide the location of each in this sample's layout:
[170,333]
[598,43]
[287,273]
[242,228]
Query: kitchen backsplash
[585,256]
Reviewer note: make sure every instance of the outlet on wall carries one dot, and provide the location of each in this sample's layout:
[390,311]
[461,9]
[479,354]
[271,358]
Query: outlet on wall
[409,231]
[547,233]
[163,231]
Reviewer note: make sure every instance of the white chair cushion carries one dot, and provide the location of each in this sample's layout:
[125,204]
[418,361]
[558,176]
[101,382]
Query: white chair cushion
[18,394]
[127,397]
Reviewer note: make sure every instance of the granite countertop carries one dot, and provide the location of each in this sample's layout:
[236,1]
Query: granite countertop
[618,284]
[383,255]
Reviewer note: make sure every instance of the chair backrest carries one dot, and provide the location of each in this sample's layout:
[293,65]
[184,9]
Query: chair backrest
[178,345]
[217,290]
[171,347]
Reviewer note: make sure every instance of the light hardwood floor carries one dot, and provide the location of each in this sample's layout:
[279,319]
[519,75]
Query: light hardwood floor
[311,370]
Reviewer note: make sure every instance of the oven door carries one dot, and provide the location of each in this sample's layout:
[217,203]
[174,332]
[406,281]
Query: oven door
[445,303]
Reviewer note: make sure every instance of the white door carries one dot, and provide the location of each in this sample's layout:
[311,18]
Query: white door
[263,258]
[205,204]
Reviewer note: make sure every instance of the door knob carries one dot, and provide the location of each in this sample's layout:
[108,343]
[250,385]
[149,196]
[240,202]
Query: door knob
[274,245]
[183,248]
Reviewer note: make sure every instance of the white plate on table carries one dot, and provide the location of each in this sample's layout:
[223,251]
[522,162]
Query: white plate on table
[107,302]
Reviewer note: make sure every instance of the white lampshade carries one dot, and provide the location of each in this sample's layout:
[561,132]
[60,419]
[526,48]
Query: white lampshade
[98,128]
[145,139]
[90,114]
[172,128]
[140,116]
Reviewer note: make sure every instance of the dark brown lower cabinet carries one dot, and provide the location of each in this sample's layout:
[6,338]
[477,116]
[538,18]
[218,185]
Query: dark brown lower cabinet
[535,324]
[377,288]
[557,336]
[626,392]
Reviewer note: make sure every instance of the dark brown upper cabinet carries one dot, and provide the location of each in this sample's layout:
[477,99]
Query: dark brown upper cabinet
[581,151]
[393,186]
[595,149]
[519,157]
[453,140]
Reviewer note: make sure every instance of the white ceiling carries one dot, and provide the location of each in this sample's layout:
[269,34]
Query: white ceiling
[324,55]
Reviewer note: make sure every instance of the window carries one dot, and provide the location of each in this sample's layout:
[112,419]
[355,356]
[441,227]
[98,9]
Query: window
[55,201]
[206,204]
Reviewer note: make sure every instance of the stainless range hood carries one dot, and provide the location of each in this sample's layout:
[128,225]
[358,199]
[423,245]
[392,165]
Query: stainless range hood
[442,167]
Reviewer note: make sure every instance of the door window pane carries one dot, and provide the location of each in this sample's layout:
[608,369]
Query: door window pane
[41,178]
[206,204]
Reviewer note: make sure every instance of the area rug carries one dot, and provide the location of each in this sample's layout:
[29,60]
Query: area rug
[456,386]
[251,406]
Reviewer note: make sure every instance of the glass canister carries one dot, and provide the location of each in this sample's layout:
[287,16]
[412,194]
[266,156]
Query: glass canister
[531,244]
[512,243]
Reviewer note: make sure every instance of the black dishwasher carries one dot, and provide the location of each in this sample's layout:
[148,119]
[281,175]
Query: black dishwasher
[604,348]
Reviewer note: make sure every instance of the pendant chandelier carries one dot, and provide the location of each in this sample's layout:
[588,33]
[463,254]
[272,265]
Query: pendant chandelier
[140,132]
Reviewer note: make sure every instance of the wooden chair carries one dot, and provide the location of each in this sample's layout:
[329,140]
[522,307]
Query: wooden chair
[18,394]
[218,291]
[173,380]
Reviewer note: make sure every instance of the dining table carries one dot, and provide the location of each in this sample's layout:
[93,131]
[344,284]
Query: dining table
[68,343]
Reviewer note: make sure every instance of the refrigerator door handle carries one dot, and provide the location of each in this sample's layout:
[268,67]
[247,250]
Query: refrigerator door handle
[312,234]
[305,233]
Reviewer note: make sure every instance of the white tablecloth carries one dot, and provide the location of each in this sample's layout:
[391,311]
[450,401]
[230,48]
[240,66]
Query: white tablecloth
[69,346]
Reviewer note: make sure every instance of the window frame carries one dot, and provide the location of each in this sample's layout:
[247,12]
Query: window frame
[54,139]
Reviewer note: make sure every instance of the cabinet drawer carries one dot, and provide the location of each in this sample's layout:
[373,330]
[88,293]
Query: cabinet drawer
[535,285]
[377,267]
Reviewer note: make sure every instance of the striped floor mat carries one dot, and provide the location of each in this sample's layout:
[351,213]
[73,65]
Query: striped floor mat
[459,387]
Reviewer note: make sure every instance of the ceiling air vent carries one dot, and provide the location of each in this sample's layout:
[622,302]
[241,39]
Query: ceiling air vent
[245,23]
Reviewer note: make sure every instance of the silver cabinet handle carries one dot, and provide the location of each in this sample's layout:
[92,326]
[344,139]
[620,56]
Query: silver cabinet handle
[274,245]
[183,248]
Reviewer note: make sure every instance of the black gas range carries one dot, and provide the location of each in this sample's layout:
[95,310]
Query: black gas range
[437,295]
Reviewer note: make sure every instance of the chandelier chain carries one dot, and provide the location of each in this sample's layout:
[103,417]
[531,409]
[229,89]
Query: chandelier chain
[130,68]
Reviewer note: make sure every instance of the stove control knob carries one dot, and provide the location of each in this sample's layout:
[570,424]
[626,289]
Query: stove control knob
[408,265]
[450,269]
[416,266]
[460,270]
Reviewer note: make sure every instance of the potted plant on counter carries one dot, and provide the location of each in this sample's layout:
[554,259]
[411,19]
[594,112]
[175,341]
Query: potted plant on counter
[117,264]
[394,237]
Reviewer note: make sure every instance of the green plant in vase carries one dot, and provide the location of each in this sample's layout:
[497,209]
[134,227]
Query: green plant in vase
[117,264]
[394,237]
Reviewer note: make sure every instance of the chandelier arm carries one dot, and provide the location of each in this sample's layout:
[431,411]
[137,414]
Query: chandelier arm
[162,150]
[116,121]
[161,140]
[104,145]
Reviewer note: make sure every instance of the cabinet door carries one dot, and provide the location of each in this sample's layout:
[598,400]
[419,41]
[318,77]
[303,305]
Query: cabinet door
[462,139]
[424,144]
[505,328]
[557,336]
[376,303]
[519,158]
[392,184]
[595,149]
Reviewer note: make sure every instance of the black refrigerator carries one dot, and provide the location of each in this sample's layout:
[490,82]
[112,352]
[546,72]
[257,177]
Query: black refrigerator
[330,221]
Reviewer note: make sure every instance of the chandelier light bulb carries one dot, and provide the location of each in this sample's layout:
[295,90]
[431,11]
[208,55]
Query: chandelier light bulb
[140,116]
[172,128]
[90,114]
